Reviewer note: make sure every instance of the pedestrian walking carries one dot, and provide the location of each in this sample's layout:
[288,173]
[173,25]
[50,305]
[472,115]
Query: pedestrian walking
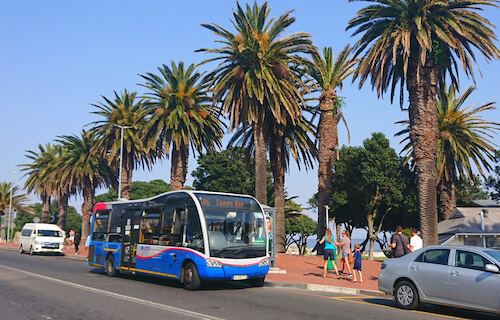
[87,243]
[415,241]
[329,252]
[346,251]
[71,238]
[76,242]
[399,243]
[357,264]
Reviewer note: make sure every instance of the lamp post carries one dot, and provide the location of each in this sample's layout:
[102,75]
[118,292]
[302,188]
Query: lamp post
[121,159]
[327,207]
[9,220]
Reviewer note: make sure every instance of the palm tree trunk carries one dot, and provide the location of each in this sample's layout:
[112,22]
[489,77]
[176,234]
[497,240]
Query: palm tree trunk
[87,207]
[62,204]
[277,167]
[424,135]
[447,199]
[260,159]
[45,208]
[327,141]
[126,177]
[178,170]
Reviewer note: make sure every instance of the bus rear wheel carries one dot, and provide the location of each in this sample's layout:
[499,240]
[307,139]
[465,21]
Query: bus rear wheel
[110,267]
[191,277]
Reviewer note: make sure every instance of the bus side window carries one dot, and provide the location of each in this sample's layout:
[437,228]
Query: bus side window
[177,228]
[150,226]
[166,228]
[101,225]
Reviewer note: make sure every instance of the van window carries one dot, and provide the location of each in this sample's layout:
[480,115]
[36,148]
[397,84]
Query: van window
[26,232]
[49,233]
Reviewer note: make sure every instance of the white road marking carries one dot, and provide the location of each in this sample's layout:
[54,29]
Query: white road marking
[120,296]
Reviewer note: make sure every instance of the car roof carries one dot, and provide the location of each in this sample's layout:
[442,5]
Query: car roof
[470,248]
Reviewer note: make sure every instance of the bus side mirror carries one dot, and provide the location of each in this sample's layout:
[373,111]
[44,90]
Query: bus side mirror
[184,217]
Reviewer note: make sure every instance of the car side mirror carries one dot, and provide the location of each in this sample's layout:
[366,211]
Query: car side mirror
[491,268]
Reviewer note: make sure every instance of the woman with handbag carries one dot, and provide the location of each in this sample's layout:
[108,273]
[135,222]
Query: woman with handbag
[329,253]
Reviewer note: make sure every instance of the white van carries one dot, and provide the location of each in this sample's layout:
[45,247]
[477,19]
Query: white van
[41,237]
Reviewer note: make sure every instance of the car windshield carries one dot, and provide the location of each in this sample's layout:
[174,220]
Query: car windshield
[49,233]
[495,254]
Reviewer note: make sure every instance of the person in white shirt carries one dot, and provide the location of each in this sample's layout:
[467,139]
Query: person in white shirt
[415,241]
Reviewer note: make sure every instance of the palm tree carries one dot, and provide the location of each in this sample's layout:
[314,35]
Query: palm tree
[328,75]
[19,200]
[38,175]
[85,171]
[418,42]
[464,136]
[255,73]
[181,117]
[282,142]
[62,189]
[127,115]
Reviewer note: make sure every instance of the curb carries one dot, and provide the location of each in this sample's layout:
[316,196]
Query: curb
[70,256]
[324,288]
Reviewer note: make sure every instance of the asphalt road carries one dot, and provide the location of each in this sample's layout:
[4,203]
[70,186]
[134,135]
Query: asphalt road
[53,287]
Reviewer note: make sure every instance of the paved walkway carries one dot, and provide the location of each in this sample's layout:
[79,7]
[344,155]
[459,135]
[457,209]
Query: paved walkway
[295,271]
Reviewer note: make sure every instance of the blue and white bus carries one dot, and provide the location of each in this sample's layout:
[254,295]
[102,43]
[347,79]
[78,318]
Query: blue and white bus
[192,236]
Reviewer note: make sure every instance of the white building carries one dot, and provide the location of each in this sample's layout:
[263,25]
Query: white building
[472,226]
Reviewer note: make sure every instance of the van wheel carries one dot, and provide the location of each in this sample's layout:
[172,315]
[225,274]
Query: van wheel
[21,251]
[31,251]
[110,266]
[191,277]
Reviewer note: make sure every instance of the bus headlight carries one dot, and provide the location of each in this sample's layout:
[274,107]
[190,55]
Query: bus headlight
[264,262]
[214,263]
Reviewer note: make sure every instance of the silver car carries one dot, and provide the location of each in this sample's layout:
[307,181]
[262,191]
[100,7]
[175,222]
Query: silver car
[460,276]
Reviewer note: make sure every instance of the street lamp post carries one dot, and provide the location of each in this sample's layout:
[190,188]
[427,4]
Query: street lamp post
[9,220]
[327,207]
[121,159]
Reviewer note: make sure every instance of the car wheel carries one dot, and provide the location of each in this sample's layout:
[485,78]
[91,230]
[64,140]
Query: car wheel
[110,267]
[21,251]
[406,295]
[191,277]
[257,282]
[31,251]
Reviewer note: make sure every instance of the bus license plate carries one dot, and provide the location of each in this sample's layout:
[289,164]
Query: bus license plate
[240,277]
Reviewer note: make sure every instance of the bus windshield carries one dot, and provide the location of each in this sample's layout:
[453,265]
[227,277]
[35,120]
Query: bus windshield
[235,234]
[236,226]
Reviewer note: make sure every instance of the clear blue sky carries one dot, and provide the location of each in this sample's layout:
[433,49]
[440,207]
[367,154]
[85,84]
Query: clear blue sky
[58,57]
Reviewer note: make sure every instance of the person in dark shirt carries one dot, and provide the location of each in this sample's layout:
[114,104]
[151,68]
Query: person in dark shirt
[357,263]
[399,243]
[77,242]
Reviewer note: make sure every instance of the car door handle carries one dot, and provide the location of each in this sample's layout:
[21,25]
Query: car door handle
[415,268]
[455,273]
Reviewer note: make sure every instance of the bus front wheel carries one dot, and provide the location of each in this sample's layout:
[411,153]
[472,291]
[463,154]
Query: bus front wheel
[110,266]
[191,277]
[257,282]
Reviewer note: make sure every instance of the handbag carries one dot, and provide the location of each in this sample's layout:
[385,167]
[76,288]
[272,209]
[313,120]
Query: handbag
[387,251]
[351,259]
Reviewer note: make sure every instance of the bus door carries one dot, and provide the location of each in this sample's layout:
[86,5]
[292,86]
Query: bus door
[130,238]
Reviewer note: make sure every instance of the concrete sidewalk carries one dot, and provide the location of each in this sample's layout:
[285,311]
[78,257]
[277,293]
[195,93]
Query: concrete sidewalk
[292,271]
